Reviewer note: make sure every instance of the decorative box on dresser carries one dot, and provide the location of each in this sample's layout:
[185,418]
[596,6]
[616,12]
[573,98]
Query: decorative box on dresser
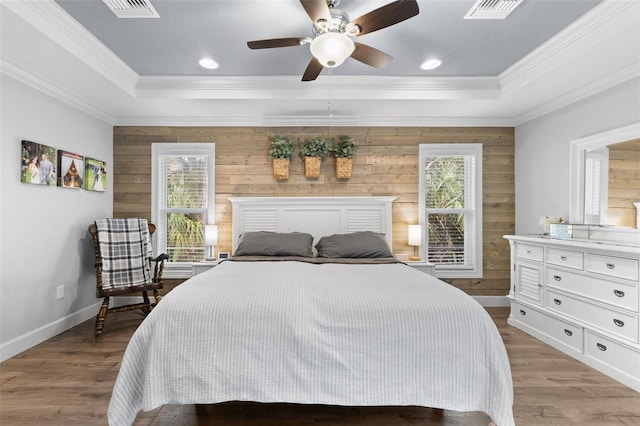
[581,297]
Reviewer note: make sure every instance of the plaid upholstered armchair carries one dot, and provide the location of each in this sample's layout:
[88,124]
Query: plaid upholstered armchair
[123,264]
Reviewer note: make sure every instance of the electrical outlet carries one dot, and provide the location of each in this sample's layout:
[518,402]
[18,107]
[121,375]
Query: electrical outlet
[60,292]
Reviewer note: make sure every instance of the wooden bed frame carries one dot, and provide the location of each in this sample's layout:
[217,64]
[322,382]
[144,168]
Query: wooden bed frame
[318,216]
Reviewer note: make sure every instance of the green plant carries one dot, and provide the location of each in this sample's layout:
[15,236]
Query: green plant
[281,147]
[344,147]
[315,147]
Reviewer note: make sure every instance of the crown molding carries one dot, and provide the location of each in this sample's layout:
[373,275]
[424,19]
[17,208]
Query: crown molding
[610,81]
[314,121]
[578,37]
[332,87]
[50,19]
[14,71]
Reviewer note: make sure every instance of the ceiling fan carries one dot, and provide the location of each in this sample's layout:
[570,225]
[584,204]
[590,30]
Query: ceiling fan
[333,34]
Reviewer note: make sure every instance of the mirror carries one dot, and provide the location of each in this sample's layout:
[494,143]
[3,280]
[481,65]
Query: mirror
[590,159]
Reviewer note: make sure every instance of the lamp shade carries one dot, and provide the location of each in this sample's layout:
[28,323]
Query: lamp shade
[331,49]
[210,235]
[415,235]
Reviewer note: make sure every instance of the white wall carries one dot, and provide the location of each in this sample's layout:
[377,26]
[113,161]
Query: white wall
[542,150]
[44,241]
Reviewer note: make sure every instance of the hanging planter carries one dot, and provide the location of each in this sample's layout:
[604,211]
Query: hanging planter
[281,150]
[312,151]
[343,150]
[344,166]
[281,168]
[312,167]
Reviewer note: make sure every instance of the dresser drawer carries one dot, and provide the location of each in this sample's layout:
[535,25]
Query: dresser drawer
[567,258]
[613,354]
[617,294]
[618,323]
[612,266]
[562,331]
[531,252]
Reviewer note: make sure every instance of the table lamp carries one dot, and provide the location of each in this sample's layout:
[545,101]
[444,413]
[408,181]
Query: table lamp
[415,240]
[210,240]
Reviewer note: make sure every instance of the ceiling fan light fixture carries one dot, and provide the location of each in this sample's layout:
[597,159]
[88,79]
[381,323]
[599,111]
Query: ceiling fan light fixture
[331,49]
[208,63]
[431,64]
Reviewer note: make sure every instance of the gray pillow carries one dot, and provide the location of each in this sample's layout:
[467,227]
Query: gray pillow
[365,244]
[266,243]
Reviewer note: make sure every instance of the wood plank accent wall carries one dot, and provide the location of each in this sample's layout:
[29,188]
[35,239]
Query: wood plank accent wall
[385,164]
[624,183]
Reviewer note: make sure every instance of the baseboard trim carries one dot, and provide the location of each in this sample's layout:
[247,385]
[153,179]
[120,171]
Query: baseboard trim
[28,340]
[492,301]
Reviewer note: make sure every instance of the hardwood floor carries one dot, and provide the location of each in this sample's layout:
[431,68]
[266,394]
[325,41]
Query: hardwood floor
[67,380]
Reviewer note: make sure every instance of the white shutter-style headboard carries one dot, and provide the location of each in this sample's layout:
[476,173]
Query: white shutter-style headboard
[318,216]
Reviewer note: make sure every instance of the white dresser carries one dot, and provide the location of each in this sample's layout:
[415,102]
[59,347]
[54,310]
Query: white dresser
[582,298]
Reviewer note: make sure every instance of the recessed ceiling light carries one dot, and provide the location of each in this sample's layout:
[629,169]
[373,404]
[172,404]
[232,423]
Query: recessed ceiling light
[208,63]
[431,64]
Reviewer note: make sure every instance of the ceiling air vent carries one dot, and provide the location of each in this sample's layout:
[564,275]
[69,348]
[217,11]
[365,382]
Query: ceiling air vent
[132,8]
[492,9]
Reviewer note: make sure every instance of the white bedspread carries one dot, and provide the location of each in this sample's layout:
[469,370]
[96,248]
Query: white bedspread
[320,334]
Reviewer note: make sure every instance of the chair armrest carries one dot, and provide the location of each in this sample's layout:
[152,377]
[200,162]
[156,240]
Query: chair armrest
[160,258]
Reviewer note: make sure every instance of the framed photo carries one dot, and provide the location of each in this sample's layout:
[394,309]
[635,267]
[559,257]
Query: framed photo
[70,170]
[37,167]
[95,175]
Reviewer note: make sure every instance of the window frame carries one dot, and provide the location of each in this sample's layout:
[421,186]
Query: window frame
[159,214]
[454,149]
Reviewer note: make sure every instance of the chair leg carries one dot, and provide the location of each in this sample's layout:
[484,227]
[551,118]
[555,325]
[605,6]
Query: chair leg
[102,315]
[156,295]
[145,299]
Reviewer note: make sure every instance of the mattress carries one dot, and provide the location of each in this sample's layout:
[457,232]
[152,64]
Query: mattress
[336,334]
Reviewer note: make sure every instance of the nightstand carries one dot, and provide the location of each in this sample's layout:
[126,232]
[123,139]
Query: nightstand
[200,267]
[422,266]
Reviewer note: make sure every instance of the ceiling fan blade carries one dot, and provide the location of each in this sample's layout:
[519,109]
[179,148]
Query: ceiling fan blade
[274,42]
[313,70]
[385,16]
[370,55]
[317,10]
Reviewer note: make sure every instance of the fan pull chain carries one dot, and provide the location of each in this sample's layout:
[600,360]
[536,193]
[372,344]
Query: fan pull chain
[330,73]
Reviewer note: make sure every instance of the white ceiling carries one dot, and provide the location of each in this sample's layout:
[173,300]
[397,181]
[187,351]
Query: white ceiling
[547,54]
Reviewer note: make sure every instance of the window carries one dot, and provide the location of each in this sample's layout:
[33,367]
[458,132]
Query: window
[451,208]
[183,196]
[596,184]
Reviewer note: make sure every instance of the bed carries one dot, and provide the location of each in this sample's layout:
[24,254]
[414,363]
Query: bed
[331,318]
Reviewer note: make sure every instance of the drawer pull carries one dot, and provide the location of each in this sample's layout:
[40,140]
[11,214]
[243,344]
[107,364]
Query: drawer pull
[601,347]
[563,257]
[557,301]
[528,251]
[618,293]
[618,322]
[611,265]
[568,332]
[557,277]
[523,312]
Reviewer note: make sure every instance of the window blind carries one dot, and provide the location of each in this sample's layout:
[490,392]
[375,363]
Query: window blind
[185,182]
